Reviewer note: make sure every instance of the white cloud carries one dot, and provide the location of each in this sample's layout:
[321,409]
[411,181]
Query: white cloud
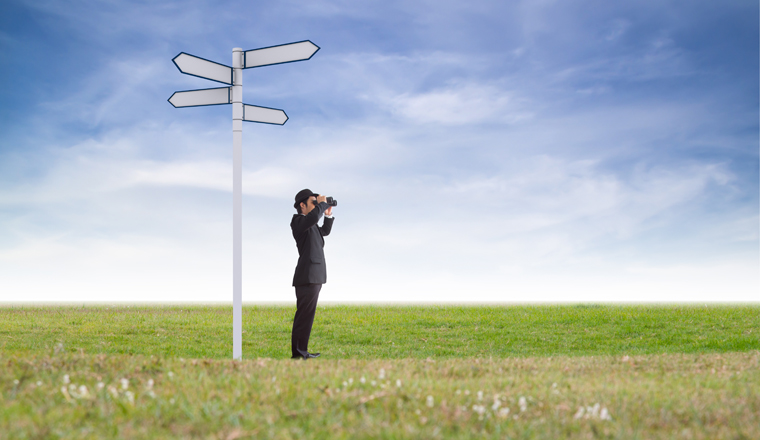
[266,181]
[464,104]
[544,224]
[660,59]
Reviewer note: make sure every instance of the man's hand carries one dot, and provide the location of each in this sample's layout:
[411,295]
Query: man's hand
[321,199]
[328,211]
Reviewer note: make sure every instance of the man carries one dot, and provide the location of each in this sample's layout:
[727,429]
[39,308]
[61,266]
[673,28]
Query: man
[310,272]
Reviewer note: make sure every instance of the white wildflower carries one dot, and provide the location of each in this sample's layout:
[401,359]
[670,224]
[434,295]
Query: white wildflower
[124,383]
[398,383]
[523,404]
[345,384]
[594,410]
[170,374]
[150,383]
[274,379]
[554,388]
[504,412]
[66,378]
[373,383]
[15,382]
[151,394]
[113,391]
[362,380]
[480,409]
[130,397]
[579,413]
[466,392]
[381,376]
[83,392]
[496,403]
[350,380]
[605,415]
[480,395]
[430,402]
[171,400]
[39,383]
[65,394]
[458,392]
[100,385]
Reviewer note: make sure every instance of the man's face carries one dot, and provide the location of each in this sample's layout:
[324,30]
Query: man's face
[308,205]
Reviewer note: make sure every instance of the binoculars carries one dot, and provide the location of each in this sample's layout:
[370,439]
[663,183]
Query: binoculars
[330,201]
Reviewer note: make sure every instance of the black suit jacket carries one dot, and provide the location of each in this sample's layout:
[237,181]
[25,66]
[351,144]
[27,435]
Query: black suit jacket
[311,268]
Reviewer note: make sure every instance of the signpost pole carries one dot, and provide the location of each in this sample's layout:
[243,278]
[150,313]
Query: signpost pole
[203,68]
[237,203]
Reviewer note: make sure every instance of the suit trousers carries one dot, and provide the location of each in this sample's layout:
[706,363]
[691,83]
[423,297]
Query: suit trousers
[306,307]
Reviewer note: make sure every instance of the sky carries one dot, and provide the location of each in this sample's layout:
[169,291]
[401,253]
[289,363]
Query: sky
[480,151]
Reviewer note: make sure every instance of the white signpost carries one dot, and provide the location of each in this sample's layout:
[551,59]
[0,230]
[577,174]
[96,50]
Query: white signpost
[285,53]
[194,98]
[203,68]
[266,115]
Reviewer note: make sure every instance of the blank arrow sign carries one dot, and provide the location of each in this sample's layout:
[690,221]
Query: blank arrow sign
[203,68]
[194,98]
[286,53]
[264,115]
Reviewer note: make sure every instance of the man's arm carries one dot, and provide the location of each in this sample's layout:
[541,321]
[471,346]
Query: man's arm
[326,226]
[303,223]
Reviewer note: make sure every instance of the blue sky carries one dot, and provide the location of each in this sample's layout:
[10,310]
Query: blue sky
[480,151]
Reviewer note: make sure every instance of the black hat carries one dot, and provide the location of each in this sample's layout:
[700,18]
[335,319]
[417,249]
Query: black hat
[303,195]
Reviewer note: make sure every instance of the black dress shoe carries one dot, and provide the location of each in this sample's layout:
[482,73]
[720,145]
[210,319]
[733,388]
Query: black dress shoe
[312,355]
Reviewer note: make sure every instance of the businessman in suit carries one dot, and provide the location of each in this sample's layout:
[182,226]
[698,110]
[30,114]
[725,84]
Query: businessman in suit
[311,272]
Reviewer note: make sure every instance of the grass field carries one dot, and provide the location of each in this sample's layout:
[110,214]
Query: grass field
[385,332]
[687,372]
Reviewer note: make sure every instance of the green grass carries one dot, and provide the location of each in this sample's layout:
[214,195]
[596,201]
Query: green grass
[656,372]
[702,396]
[385,332]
